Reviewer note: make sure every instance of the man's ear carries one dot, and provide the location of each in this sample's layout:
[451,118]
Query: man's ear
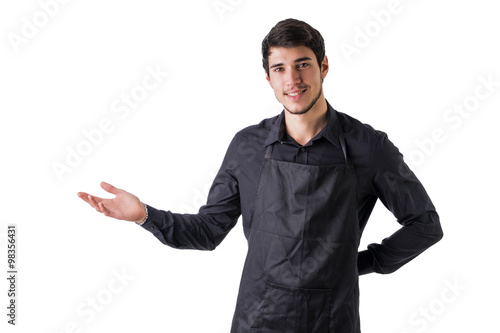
[267,78]
[324,67]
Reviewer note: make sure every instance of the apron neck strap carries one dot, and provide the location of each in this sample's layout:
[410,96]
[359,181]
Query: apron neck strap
[335,119]
[342,143]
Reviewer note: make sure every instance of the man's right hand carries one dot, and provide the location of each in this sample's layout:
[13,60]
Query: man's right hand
[124,206]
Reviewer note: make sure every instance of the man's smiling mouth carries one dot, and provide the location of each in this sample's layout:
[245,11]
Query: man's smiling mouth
[295,93]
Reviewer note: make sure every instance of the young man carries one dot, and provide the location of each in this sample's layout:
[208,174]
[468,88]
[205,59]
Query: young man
[305,183]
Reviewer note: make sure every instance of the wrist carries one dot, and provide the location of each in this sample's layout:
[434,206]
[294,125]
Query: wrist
[142,220]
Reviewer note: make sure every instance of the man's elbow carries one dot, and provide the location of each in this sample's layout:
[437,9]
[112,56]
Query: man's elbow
[439,235]
[434,231]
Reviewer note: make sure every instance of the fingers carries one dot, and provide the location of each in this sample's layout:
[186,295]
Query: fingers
[87,198]
[94,202]
[103,209]
[84,196]
[90,199]
[98,203]
[110,188]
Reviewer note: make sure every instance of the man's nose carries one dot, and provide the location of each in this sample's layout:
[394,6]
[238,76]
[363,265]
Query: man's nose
[292,77]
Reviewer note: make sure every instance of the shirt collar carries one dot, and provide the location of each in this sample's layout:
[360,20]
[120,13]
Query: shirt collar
[329,132]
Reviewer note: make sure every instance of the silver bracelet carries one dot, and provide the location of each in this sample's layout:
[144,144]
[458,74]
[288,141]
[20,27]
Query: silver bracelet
[146,217]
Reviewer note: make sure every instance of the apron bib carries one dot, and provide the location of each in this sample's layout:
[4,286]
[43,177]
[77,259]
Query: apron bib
[300,273]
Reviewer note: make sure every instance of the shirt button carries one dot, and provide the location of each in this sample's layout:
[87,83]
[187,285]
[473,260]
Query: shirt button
[302,149]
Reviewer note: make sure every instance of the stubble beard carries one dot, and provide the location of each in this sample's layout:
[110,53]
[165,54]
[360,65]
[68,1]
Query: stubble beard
[307,108]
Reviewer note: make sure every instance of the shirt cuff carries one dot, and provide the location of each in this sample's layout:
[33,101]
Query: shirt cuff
[151,215]
[157,223]
[365,262]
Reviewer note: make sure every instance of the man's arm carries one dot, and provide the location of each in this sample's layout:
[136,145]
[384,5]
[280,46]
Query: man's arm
[206,229]
[402,193]
[203,231]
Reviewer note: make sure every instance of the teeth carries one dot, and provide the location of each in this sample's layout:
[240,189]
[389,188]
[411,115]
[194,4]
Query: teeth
[296,93]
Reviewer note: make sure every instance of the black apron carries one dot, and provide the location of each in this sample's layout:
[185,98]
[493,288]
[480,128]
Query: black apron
[300,274]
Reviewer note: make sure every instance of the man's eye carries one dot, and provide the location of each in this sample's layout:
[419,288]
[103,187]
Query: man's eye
[303,65]
[279,69]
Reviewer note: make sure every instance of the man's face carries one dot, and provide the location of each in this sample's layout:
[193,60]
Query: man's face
[296,77]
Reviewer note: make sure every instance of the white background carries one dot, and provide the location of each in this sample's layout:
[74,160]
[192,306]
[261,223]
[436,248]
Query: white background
[65,75]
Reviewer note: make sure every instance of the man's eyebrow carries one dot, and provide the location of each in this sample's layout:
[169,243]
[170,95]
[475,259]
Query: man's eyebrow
[303,59]
[296,61]
[276,65]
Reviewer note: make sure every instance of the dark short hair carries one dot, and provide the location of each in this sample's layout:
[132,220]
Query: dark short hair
[292,33]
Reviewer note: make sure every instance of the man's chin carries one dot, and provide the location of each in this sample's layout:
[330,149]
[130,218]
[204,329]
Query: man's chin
[296,111]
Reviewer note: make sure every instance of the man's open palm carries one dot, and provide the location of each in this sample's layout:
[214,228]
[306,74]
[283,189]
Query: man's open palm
[124,206]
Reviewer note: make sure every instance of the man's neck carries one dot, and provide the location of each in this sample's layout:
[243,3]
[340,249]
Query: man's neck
[302,128]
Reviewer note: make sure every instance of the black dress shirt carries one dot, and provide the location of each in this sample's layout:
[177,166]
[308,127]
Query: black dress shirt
[380,171]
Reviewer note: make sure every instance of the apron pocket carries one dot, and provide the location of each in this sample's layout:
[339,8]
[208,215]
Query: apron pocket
[286,309]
